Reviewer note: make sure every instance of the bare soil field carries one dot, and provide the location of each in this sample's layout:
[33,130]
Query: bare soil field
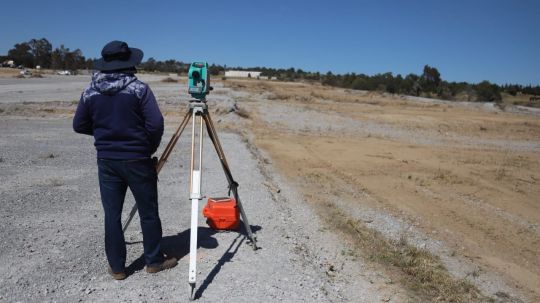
[357,197]
[463,179]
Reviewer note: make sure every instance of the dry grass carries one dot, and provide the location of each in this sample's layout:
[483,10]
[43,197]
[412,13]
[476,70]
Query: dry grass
[242,112]
[6,72]
[520,99]
[169,80]
[422,272]
[308,93]
[33,109]
[419,271]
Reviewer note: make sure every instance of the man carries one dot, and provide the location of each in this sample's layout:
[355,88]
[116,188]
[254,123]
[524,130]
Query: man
[122,114]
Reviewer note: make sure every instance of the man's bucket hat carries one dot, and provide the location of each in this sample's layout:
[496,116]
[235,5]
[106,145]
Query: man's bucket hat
[117,55]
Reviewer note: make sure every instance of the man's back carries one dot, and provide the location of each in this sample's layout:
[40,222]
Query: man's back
[122,114]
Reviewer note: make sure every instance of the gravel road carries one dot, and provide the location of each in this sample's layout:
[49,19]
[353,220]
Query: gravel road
[69,88]
[51,229]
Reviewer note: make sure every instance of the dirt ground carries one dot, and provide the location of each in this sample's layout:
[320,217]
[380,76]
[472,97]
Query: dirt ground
[457,180]
[467,175]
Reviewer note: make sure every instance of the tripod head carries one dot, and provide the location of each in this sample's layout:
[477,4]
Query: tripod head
[199,80]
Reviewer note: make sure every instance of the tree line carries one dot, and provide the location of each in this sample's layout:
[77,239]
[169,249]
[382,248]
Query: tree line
[39,52]
[428,84]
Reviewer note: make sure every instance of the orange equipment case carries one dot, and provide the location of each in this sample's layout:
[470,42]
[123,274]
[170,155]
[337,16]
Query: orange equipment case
[222,213]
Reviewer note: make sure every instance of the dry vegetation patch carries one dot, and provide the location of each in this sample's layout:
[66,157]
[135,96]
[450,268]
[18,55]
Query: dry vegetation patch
[169,80]
[39,109]
[423,272]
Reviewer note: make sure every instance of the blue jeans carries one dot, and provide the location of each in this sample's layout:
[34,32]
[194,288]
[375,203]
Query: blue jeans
[115,176]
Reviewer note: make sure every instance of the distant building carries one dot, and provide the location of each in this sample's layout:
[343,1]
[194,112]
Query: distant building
[242,74]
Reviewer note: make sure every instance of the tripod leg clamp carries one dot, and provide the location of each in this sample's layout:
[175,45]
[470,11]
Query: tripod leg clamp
[233,186]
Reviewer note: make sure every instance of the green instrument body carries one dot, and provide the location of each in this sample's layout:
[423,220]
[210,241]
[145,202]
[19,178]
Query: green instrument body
[199,80]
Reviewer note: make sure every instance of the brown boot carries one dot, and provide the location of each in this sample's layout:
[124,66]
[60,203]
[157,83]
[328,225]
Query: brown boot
[168,263]
[117,275]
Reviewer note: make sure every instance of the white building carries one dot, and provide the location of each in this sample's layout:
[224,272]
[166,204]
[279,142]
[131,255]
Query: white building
[242,74]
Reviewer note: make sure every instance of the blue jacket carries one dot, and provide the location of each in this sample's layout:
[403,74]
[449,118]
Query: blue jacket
[122,114]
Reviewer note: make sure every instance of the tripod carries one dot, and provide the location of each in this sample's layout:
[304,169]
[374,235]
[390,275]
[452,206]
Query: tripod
[198,110]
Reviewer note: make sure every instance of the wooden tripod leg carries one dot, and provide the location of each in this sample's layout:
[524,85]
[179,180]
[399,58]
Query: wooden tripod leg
[172,142]
[161,162]
[233,186]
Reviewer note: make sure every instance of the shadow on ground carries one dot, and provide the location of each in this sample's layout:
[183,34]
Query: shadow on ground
[177,246]
[226,257]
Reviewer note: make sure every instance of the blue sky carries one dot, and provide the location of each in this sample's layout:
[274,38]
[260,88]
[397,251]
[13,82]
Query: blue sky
[471,40]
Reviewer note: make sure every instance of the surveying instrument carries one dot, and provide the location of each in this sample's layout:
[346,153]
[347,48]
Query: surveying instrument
[199,87]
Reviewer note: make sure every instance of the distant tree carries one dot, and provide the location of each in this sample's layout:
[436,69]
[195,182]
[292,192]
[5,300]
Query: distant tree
[89,64]
[57,61]
[215,69]
[531,90]
[170,66]
[512,89]
[393,84]
[311,76]
[41,51]
[430,79]
[74,60]
[58,57]
[149,65]
[364,82]
[407,84]
[457,87]
[417,88]
[64,59]
[360,83]
[444,92]
[290,73]
[347,80]
[21,54]
[470,92]
[487,91]
[330,79]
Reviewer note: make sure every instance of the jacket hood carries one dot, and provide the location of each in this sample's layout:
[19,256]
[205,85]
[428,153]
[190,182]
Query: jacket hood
[111,83]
